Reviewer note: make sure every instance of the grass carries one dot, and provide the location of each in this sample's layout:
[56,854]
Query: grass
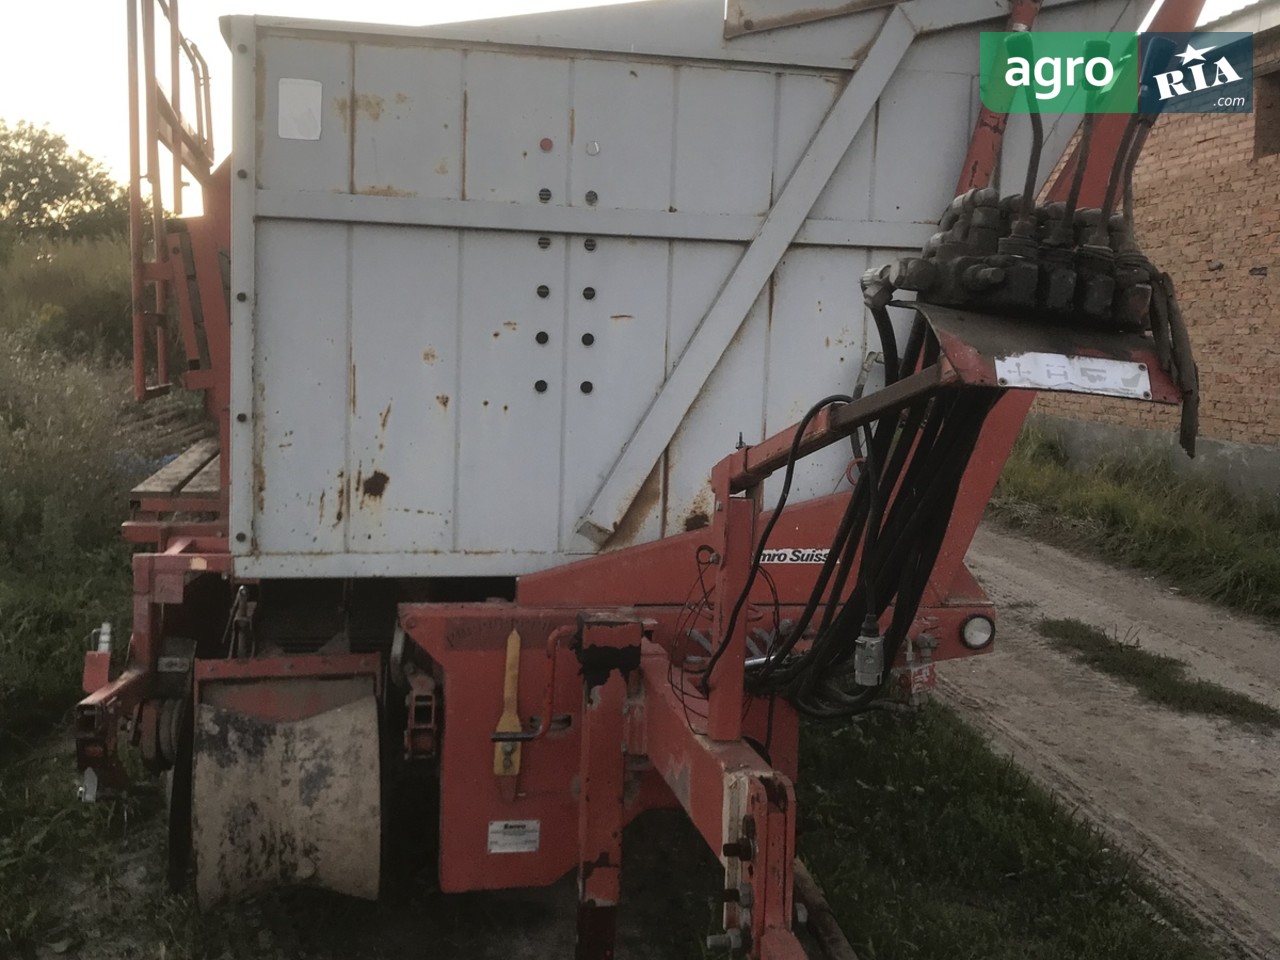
[1139,512]
[68,296]
[66,464]
[930,846]
[1159,678]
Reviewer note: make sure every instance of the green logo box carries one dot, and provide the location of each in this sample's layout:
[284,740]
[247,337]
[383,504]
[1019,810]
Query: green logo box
[1060,72]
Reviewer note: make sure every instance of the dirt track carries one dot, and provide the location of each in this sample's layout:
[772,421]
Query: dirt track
[1197,799]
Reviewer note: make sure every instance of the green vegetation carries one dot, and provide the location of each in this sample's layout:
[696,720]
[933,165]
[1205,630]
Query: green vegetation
[1159,678]
[930,846]
[49,191]
[1138,511]
[67,460]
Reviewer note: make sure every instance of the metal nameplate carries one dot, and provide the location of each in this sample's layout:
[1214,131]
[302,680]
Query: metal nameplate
[1056,371]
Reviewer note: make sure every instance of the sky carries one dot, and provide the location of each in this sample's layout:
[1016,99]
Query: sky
[64,65]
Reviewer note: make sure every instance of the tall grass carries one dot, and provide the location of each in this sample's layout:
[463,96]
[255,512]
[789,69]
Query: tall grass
[68,296]
[64,470]
[1137,510]
[67,462]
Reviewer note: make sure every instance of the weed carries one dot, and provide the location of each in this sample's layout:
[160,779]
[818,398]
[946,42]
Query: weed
[1157,677]
[1140,512]
[68,296]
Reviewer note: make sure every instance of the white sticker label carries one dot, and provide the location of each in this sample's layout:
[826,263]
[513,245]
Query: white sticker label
[514,836]
[1056,371]
[299,104]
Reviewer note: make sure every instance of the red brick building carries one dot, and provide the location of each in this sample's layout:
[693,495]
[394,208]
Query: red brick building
[1207,210]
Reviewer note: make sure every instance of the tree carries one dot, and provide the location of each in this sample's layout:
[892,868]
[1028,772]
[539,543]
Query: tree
[48,190]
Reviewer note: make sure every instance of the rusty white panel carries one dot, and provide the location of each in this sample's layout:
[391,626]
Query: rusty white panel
[803,100]
[322,163]
[301,375]
[724,140]
[408,122]
[404,371]
[622,367]
[509,433]
[359,330]
[680,29]
[517,127]
[819,328]
[753,16]
[847,195]
[922,135]
[623,124]
[731,403]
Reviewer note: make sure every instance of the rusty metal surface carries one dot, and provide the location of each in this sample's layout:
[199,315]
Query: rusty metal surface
[742,17]
[286,803]
[972,342]
[429,269]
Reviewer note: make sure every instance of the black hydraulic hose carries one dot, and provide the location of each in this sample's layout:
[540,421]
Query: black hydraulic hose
[901,450]
[1077,179]
[875,516]
[888,343]
[1033,164]
[931,511]
[1118,168]
[1135,151]
[911,353]
[828,648]
[773,521]
[854,514]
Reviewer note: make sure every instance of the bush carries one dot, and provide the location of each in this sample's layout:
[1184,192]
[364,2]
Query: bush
[62,483]
[70,296]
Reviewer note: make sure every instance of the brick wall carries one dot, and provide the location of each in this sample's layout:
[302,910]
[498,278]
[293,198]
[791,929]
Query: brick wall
[1208,211]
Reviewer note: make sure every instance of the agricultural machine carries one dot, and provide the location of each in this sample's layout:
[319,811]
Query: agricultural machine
[572,443]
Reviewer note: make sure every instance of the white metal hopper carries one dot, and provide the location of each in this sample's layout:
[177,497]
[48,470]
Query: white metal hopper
[514,286]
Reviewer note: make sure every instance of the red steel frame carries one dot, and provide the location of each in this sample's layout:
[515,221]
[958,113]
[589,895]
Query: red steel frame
[638,736]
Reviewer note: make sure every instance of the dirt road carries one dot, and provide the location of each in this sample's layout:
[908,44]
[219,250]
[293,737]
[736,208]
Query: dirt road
[1197,799]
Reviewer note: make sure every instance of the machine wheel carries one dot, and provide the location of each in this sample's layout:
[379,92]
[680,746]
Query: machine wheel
[179,796]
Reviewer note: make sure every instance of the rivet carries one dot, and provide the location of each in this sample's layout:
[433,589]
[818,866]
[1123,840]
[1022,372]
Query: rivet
[588,339]
[242,418]
[541,386]
[241,538]
[545,195]
[544,291]
[544,242]
[592,197]
[542,336]
[242,297]
[242,174]
[593,148]
[589,243]
[586,386]
[546,144]
[242,48]
[588,293]
[1142,366]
